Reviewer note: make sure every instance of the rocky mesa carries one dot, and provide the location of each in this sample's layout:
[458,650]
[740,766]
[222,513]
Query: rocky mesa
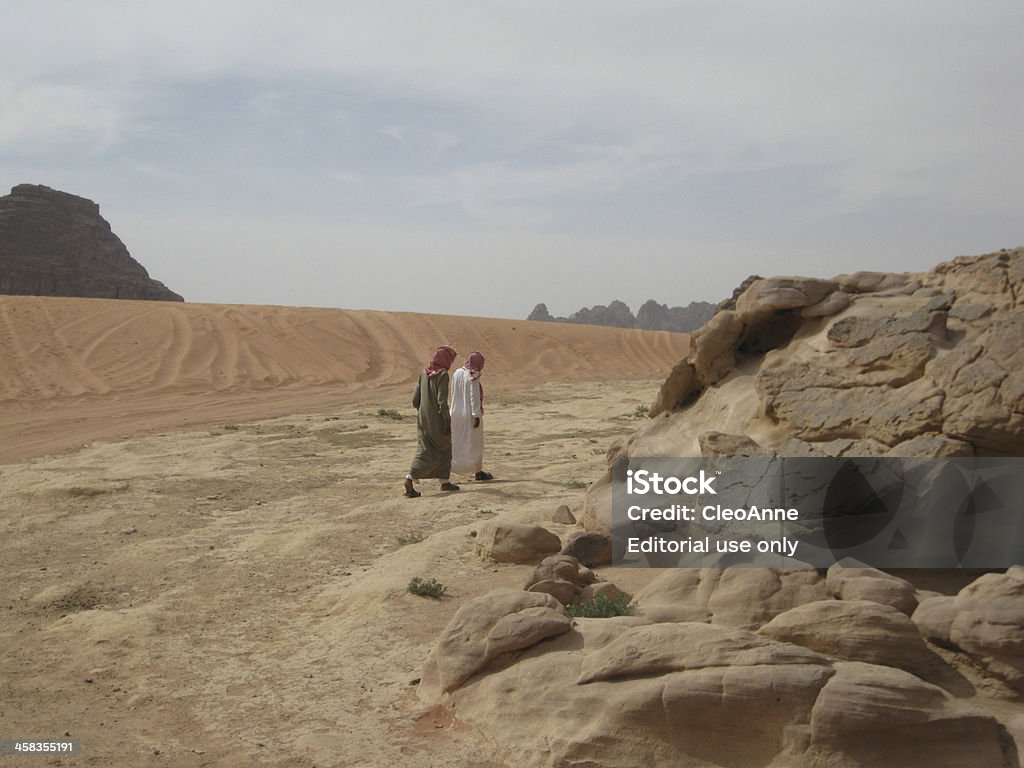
[56,244]
[651,316]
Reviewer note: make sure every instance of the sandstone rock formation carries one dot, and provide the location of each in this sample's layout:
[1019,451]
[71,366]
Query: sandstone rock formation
[985,620]
[624,692]
[509,542]
[563,515]
[794,667]
[56,244]
[651,316]
[858,583]
[589,547]
[500,622]
[562,577]
[854,630]
[866,364]
[737,597]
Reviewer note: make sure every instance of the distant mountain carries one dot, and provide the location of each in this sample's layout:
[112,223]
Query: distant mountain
[56,244]
[652,316]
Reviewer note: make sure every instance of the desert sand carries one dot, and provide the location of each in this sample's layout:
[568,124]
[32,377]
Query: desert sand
[74,370]
[205,547]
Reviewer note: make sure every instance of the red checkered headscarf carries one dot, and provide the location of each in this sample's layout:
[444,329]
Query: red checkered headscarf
[474,364]
[442,360]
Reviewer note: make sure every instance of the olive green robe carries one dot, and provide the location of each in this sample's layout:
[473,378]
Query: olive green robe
[433,428]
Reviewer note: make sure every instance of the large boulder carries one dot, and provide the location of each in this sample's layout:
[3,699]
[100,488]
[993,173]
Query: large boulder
[881,716]
[857,630]
[860,583]
[589,547]
[483,629]
[989,624]
[934,618]
[560,576]
[508,542]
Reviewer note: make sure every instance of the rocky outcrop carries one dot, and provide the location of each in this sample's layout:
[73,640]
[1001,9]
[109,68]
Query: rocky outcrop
[651,316]
[540,312]
[862,364]
[625,691]
[794,666]
[56,244]
[616,315]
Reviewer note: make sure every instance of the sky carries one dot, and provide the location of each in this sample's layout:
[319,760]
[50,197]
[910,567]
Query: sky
[479,158]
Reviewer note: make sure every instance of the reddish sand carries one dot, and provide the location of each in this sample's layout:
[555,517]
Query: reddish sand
[78,370]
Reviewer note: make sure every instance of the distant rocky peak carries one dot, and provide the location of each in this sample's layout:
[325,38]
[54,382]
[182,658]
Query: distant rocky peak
[651,317]
[540,312]
[53,243]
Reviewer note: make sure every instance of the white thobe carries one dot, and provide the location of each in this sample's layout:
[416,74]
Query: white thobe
[467,441]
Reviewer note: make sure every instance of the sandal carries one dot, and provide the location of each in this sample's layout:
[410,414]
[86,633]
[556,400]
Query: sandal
[483,476]
[449,487]
[410,492]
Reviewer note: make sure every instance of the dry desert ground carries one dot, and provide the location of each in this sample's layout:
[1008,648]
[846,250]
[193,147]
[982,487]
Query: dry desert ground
[205,549]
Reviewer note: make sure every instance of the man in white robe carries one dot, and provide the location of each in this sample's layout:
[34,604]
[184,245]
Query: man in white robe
[467,414]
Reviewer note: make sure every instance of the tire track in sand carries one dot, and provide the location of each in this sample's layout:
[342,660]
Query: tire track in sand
[20,370]
[70,360]
[172,356]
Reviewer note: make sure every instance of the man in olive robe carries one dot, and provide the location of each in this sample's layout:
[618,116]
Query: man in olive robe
[433,424]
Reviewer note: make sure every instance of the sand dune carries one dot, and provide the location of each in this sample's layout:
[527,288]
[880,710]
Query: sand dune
[76,370]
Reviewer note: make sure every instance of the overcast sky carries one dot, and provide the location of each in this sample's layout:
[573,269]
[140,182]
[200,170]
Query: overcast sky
[478,158]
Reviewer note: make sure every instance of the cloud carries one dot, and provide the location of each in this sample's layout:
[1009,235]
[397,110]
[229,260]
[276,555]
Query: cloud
[793,127]
[42,117]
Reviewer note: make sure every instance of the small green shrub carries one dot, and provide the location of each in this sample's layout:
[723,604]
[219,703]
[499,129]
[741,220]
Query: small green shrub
[409,538]
[389,413]
[602,607]
[640,412]
[231,427]
[574,484]
[426,587]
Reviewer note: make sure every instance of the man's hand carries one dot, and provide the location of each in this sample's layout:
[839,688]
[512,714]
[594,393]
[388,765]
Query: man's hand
[476,422]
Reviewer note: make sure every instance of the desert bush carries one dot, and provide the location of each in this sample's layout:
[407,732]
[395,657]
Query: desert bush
[426,587]
[602,607]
